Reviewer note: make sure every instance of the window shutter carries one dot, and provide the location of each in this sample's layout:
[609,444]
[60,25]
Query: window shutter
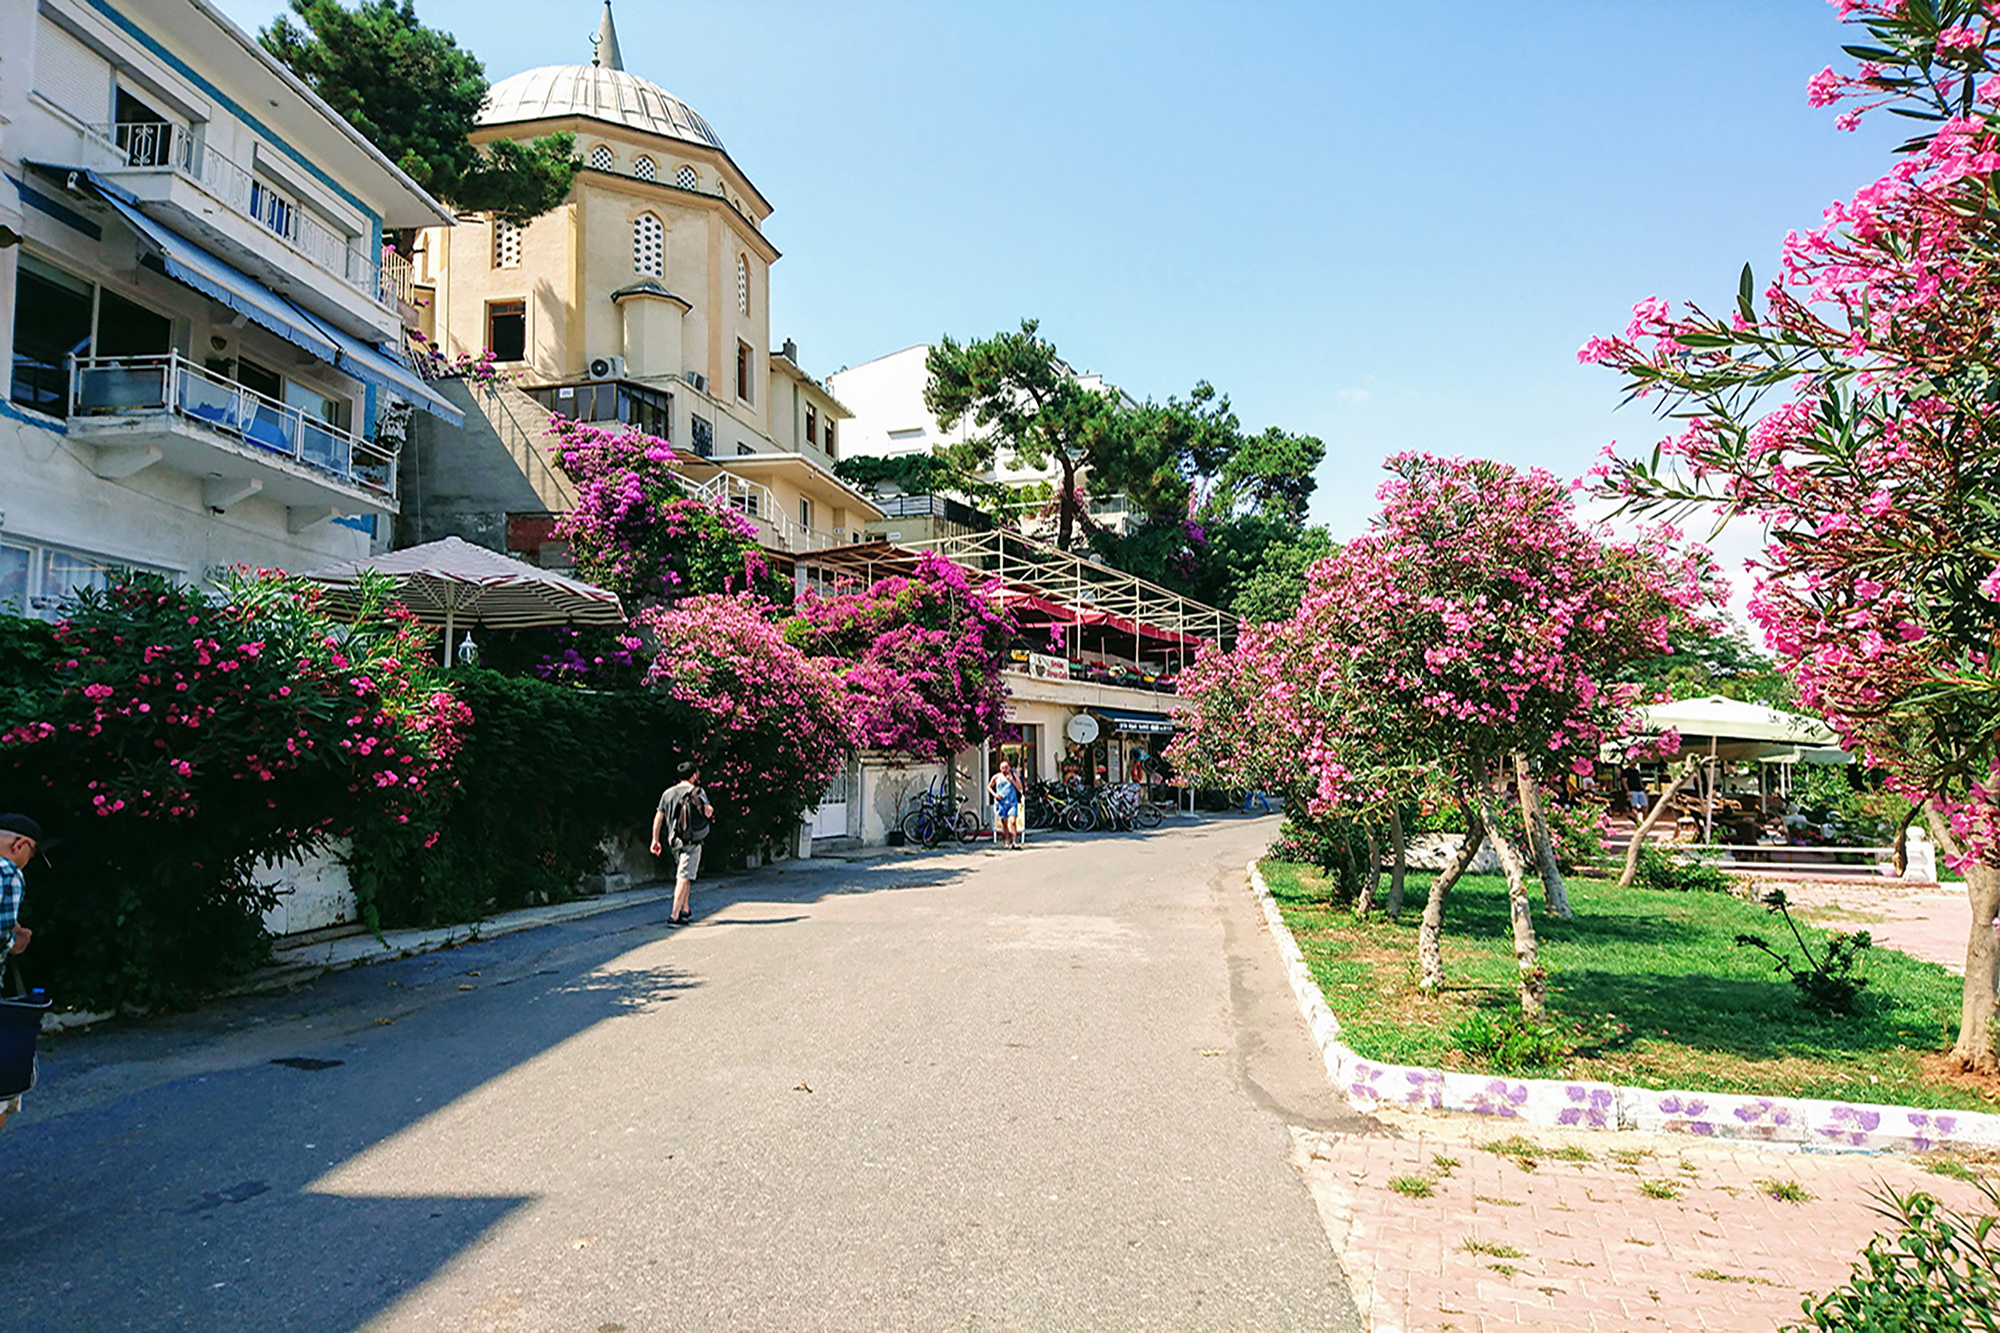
[71,75]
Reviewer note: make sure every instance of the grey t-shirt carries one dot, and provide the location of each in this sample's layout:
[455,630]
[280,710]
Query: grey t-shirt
[671,801]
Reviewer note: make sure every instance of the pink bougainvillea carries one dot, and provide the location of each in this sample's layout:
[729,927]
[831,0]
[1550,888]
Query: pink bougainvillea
[635,530]
[918,658]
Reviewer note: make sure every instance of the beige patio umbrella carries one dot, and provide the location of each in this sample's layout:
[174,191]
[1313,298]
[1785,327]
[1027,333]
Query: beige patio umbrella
[453,582]
[1733,729]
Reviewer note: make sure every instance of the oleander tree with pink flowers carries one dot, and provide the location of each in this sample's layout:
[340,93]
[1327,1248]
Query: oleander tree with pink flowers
[1852,410]
[918,658]
[174,745]
[635,529]
[1476,621]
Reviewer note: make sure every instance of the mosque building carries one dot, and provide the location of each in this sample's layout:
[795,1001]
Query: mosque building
[644,298]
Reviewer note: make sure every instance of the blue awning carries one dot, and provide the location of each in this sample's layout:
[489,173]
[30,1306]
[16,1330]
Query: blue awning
[1134,723]
[186,262]
[370,366]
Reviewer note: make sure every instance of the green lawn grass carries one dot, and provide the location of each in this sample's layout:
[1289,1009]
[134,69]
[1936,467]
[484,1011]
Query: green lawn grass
[1702,1013]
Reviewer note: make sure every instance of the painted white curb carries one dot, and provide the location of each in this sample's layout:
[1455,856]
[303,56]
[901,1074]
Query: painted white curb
[1564,1104]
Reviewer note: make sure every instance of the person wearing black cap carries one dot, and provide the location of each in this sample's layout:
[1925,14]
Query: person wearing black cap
[19,836]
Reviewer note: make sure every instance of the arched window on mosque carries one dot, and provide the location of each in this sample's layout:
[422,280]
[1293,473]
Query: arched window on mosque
[686,179]
[743,284]
[649,245]
[644,169]
[600,158]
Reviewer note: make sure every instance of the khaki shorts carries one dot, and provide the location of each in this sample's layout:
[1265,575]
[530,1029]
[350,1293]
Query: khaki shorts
[687,862]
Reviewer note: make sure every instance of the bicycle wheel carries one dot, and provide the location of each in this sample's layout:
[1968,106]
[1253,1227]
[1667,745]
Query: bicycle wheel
[1079,818]
[970,826]
[915,826]
[1148,815]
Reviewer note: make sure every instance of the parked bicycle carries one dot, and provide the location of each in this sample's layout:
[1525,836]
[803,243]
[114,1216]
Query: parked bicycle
[938,817]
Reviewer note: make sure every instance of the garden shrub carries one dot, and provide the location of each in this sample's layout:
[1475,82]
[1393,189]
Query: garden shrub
[1939,1272]
[1658,871]
[1831,983]
[171,746]
[1513,1043]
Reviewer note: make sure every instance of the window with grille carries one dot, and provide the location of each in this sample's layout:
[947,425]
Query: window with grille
[600,158]
[686,179]
[743,284]
[649,245]
[506,244]
[703,432]
[644,169]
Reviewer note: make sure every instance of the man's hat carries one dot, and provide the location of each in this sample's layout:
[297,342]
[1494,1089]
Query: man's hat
[22,825]
[687,770]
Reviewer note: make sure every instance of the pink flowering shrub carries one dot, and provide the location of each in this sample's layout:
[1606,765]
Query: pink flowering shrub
[767,723]
[918,659]
[634,529]
[1852,416]
[172,744]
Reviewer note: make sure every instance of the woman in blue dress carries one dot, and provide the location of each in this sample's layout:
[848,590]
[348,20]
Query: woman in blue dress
[1005,793]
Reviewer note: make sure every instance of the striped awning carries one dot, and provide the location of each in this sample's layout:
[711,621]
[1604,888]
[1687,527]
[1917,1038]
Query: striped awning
[454,583]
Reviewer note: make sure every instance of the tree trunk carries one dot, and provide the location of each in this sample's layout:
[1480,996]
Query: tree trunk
[1066,504]
[1652,818]
[1555,895]
[1534,981]
[1430,962]
[1399,849]
[1976,1028]
[1371,878]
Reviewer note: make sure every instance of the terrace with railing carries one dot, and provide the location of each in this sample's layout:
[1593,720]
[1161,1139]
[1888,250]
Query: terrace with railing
[160,146]
[112,390]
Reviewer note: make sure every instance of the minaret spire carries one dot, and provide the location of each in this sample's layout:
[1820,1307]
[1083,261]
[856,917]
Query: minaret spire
[605,47]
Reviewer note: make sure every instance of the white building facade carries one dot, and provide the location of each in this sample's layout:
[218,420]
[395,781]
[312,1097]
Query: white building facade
[202,329]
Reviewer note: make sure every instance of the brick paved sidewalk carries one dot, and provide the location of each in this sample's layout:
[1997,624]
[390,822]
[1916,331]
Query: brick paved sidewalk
[1924,921]
[1589,1232]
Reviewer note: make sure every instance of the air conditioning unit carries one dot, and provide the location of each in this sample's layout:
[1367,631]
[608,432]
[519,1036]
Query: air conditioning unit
[607,367]
[696,378]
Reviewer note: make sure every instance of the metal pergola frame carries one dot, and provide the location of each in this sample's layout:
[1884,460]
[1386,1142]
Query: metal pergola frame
[1027,565]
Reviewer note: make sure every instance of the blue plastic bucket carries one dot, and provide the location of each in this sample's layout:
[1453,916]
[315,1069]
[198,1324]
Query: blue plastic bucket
[20,1024]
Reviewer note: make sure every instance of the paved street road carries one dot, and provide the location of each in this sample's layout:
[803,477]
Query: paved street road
[1042,1090]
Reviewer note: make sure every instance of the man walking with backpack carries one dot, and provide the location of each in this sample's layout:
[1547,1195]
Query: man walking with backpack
[679,825]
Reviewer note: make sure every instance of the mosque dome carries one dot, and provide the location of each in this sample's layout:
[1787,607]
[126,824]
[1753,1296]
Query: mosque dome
[602,90]
[599,92]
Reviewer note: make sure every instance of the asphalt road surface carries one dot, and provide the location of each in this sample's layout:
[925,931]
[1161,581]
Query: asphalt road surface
[1046,1089]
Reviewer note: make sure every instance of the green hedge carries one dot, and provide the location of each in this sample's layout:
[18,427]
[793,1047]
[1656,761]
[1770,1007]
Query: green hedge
[546,773]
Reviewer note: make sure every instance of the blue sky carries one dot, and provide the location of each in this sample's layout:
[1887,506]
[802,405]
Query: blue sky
[1389,226]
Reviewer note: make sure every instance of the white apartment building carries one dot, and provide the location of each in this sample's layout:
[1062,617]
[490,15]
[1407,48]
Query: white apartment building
[201,326]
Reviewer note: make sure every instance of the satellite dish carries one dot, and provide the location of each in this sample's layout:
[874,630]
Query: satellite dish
[1082,729]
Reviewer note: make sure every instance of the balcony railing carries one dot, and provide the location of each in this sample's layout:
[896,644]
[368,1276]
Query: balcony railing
[108,386]
[754,501]
[933,506]
[157,145]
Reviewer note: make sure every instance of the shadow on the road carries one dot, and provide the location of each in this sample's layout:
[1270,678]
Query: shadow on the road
[163,1174]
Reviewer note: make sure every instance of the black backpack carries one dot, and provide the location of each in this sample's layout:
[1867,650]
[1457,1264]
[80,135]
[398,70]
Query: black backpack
[691,822]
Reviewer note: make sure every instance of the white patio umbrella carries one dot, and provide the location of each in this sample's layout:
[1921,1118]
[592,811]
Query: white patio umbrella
[452,581]
[1733,729]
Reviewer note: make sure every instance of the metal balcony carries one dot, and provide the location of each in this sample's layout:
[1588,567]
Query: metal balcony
[137,411]
[159,146]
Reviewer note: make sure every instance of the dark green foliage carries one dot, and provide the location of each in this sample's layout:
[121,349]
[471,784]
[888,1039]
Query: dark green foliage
[1019,394]
[545,775]
[1658,871]
[1271,588]
[1512,1043]
[940,473]
[416,95]
[1704,659]
[1938,1273]
[1829,984]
